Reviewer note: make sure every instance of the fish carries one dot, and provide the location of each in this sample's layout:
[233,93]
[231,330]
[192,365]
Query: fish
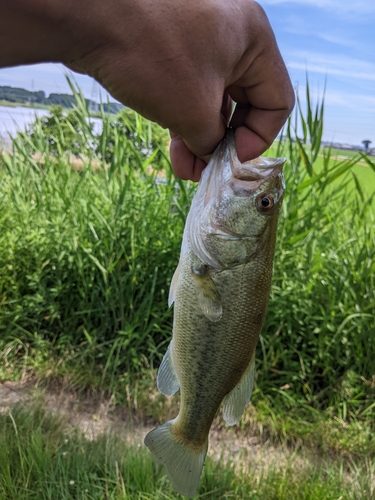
[220,292]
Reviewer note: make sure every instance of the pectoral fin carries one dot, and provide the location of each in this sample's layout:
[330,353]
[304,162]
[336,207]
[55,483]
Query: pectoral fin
[167,380]
[207,294]
[234,403]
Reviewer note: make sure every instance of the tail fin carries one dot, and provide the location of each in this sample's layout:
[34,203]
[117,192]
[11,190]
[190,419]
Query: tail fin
[183,465]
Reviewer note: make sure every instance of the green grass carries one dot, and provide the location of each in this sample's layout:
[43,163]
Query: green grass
[41,457]
[362,169]
[342,153]
[87,257]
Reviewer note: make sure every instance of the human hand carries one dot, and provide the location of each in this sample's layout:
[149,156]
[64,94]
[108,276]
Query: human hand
[178,63]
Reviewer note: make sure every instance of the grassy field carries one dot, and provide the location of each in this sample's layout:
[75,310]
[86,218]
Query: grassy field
[86,258]
[341,154]
[360,174]
[42,457]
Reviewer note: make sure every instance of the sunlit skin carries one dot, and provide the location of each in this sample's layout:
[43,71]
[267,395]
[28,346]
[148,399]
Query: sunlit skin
[181,64]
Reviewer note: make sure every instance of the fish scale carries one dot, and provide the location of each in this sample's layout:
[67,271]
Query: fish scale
[220,292]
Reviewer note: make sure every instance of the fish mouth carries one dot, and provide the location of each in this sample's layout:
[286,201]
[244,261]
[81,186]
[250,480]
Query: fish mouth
[245,179]
[226,236]
[223,236]
[259,169]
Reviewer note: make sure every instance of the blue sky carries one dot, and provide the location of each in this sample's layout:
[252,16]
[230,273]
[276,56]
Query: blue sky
[333,39]
[330,39]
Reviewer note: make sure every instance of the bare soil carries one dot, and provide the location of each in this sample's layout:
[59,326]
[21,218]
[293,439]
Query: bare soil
[93,415]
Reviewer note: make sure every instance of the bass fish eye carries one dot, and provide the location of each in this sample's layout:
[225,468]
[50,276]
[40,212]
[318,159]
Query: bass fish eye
[265,203]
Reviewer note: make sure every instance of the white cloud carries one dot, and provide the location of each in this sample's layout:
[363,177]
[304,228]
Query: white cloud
[349,117]
[340,7]
[297,26]
[342,41]
[341,99]
[346,67]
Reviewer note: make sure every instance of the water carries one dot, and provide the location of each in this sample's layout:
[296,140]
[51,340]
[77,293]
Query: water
[13,120]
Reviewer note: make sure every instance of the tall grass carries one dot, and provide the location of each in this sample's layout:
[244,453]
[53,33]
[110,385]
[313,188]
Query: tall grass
[87,255]
[41,457]
[320,329]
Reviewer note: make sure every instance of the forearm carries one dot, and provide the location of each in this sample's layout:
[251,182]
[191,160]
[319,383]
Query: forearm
[33,31]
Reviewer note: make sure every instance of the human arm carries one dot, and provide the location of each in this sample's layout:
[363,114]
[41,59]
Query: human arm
[177,63]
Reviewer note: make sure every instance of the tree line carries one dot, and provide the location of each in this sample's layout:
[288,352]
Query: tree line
[23,96]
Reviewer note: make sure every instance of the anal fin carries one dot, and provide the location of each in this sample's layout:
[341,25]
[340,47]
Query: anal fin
[234,403]
[167,380]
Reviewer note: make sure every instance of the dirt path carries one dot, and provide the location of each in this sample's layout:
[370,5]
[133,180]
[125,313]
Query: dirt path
[94,416]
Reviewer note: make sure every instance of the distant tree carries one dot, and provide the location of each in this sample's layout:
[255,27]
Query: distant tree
[366,143]
[17,95]
[64,100]
[13,94]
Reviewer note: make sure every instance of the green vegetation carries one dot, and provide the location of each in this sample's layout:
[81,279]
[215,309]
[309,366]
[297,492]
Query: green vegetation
[87,256]
[69,132]
[14,95]
[41,457]
[341,154]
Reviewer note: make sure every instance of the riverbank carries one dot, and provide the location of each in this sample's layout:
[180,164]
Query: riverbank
[9,104]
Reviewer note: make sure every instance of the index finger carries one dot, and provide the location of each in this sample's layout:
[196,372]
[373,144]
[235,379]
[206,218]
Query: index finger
[265,98]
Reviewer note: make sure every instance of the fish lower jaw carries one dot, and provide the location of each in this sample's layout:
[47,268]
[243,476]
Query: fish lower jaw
[225,236]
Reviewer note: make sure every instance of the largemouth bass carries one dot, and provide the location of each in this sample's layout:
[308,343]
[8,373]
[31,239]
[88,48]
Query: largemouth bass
[220,292]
